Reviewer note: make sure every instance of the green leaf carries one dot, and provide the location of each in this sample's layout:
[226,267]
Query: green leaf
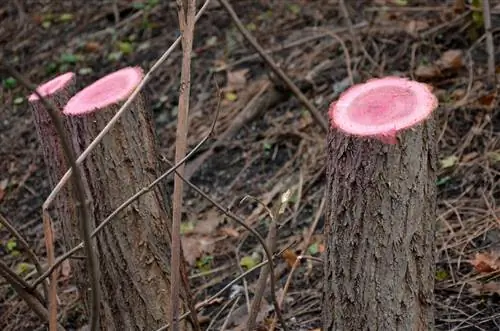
[66,17]
[187,227]
[115,56]
[69,58]
[313,249]
[18,100]
[85,71]
[294,8]
[400,2]
[248,262]
[231,96]
[125,47]
[448,162]
[251,27]
[443,180]
[46,24]
[23,268]
[138,5]
[204,263]
[51,68]
[441,275]
[9,83]
[11,244]
[494,156]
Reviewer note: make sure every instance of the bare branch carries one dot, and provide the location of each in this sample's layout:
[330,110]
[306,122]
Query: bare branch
[186,13]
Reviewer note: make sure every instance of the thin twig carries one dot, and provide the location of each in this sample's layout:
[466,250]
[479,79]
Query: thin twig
[320,119]
[261,240]
[83,212]
[261,282]
[225,288]
[31,255]
[49,244]
[221,310]
[32,299]
[75,249]
[489,41]
[231,310]
[295,43]
[186,13]
[118,114]
[355,40]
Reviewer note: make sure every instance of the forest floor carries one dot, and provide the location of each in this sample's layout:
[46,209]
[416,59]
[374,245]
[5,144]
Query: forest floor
[266,141]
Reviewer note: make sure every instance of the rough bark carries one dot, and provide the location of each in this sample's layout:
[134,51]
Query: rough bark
[63,207]
[380,227]
[134,248]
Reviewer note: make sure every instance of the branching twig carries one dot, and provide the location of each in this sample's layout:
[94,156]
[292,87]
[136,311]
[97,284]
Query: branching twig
[320,119]
[261,240]
[271,244]
[32,299]
[186,13]
[31,255]
[83,212]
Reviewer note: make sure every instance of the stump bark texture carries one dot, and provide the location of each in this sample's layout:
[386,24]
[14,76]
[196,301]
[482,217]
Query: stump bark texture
[379,228]
[134,248]
[63,207]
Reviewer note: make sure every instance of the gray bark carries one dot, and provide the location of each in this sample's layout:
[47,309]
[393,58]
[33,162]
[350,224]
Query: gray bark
[134,248]
[380,228]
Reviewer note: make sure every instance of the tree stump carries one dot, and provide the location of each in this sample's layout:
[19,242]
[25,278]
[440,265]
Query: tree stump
[134,248]
[381,209]
[57,91]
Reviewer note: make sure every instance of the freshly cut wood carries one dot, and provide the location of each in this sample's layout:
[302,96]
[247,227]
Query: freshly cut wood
[381,208]
[134,248]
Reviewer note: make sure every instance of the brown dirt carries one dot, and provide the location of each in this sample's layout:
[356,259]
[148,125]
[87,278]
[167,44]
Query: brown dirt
[279,149]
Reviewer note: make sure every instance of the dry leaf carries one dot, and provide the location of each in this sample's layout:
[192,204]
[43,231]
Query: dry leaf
[3,185]
[413,27]
[477,288]
[427,71]
[486,262]
[236,80]
[469,157]
[65,269]
[195,246]
[451,59]
[488,99]
[230,232]
[290,257]
[208,224]
[93,46]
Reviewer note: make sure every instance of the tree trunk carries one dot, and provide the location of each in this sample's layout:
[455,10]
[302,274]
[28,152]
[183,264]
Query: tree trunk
[380,227]
[134,248]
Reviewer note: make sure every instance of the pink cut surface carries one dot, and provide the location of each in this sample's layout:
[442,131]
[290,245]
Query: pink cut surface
[52,86]
[106,91]
[382,107]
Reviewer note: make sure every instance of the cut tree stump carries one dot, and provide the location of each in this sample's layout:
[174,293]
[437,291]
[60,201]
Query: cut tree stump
[381,209]
[57,91]
[134,248]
